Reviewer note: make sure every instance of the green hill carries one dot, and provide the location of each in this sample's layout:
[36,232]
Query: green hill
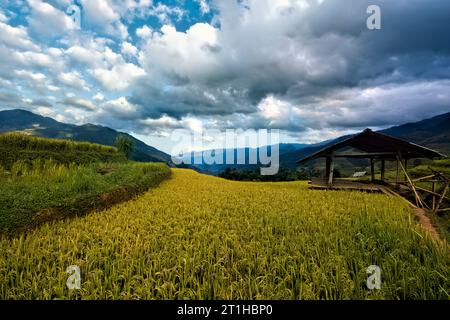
[43,179]
[28,122]
[26,148]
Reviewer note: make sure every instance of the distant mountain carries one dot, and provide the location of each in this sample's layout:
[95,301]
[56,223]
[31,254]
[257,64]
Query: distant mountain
[433,133]
[22,120]
[196,159]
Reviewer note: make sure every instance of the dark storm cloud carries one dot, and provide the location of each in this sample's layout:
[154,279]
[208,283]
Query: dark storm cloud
[319,60]
[178,100]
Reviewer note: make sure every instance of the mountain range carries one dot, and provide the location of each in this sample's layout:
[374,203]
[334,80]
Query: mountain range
[432,133]
[25,121]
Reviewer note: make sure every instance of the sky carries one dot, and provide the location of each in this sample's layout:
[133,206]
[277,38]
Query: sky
[310,68]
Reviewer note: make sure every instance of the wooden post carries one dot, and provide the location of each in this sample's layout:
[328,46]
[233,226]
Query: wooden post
[327,168]
[406,169]
[433,188]
[397,177]
[419,200]
[441,199]
[330,178]
[383,168]
[372,169]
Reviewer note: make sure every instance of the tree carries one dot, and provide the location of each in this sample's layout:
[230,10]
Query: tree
[125,145]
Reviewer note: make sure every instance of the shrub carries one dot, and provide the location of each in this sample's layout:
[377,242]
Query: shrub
[125,145]
[20,168]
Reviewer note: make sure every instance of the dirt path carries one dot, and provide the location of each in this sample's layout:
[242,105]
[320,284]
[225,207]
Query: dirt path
[425,222]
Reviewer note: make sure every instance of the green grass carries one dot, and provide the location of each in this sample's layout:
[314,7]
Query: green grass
[196,236]
[42,179]
[442,224]
[442,220]
[29,189]
[17,146]
[23,141]
[442,166]
[200,237]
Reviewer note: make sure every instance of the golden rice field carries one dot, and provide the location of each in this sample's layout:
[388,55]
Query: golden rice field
[200,237]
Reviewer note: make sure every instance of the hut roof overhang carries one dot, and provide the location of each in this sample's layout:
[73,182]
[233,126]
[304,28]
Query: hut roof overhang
[376,145]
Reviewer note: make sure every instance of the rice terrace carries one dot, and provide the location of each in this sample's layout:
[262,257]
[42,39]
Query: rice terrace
[225,158]
[201,237]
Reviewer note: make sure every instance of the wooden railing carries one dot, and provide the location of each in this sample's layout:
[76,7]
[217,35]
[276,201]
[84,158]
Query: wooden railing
[438,199]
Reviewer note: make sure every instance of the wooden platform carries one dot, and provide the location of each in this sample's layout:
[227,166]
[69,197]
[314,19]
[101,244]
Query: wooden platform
[342,184]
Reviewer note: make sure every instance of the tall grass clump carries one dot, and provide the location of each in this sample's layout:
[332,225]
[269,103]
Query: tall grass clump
[69,189]
[16,147]
[24,141]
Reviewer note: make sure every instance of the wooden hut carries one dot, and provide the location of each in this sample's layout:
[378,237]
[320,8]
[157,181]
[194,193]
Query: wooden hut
[373,146]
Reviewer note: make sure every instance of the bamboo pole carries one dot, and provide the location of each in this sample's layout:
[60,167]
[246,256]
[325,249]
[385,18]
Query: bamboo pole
[327,168]
[442,198]
[372,170]
[387,190]
[440,175]
[406,169]
[419,201]
[431,192]
[433,187]
[397,177]
[424,178]
[330,178]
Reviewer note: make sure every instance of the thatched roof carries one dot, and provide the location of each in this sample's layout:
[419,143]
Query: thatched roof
[378,145]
